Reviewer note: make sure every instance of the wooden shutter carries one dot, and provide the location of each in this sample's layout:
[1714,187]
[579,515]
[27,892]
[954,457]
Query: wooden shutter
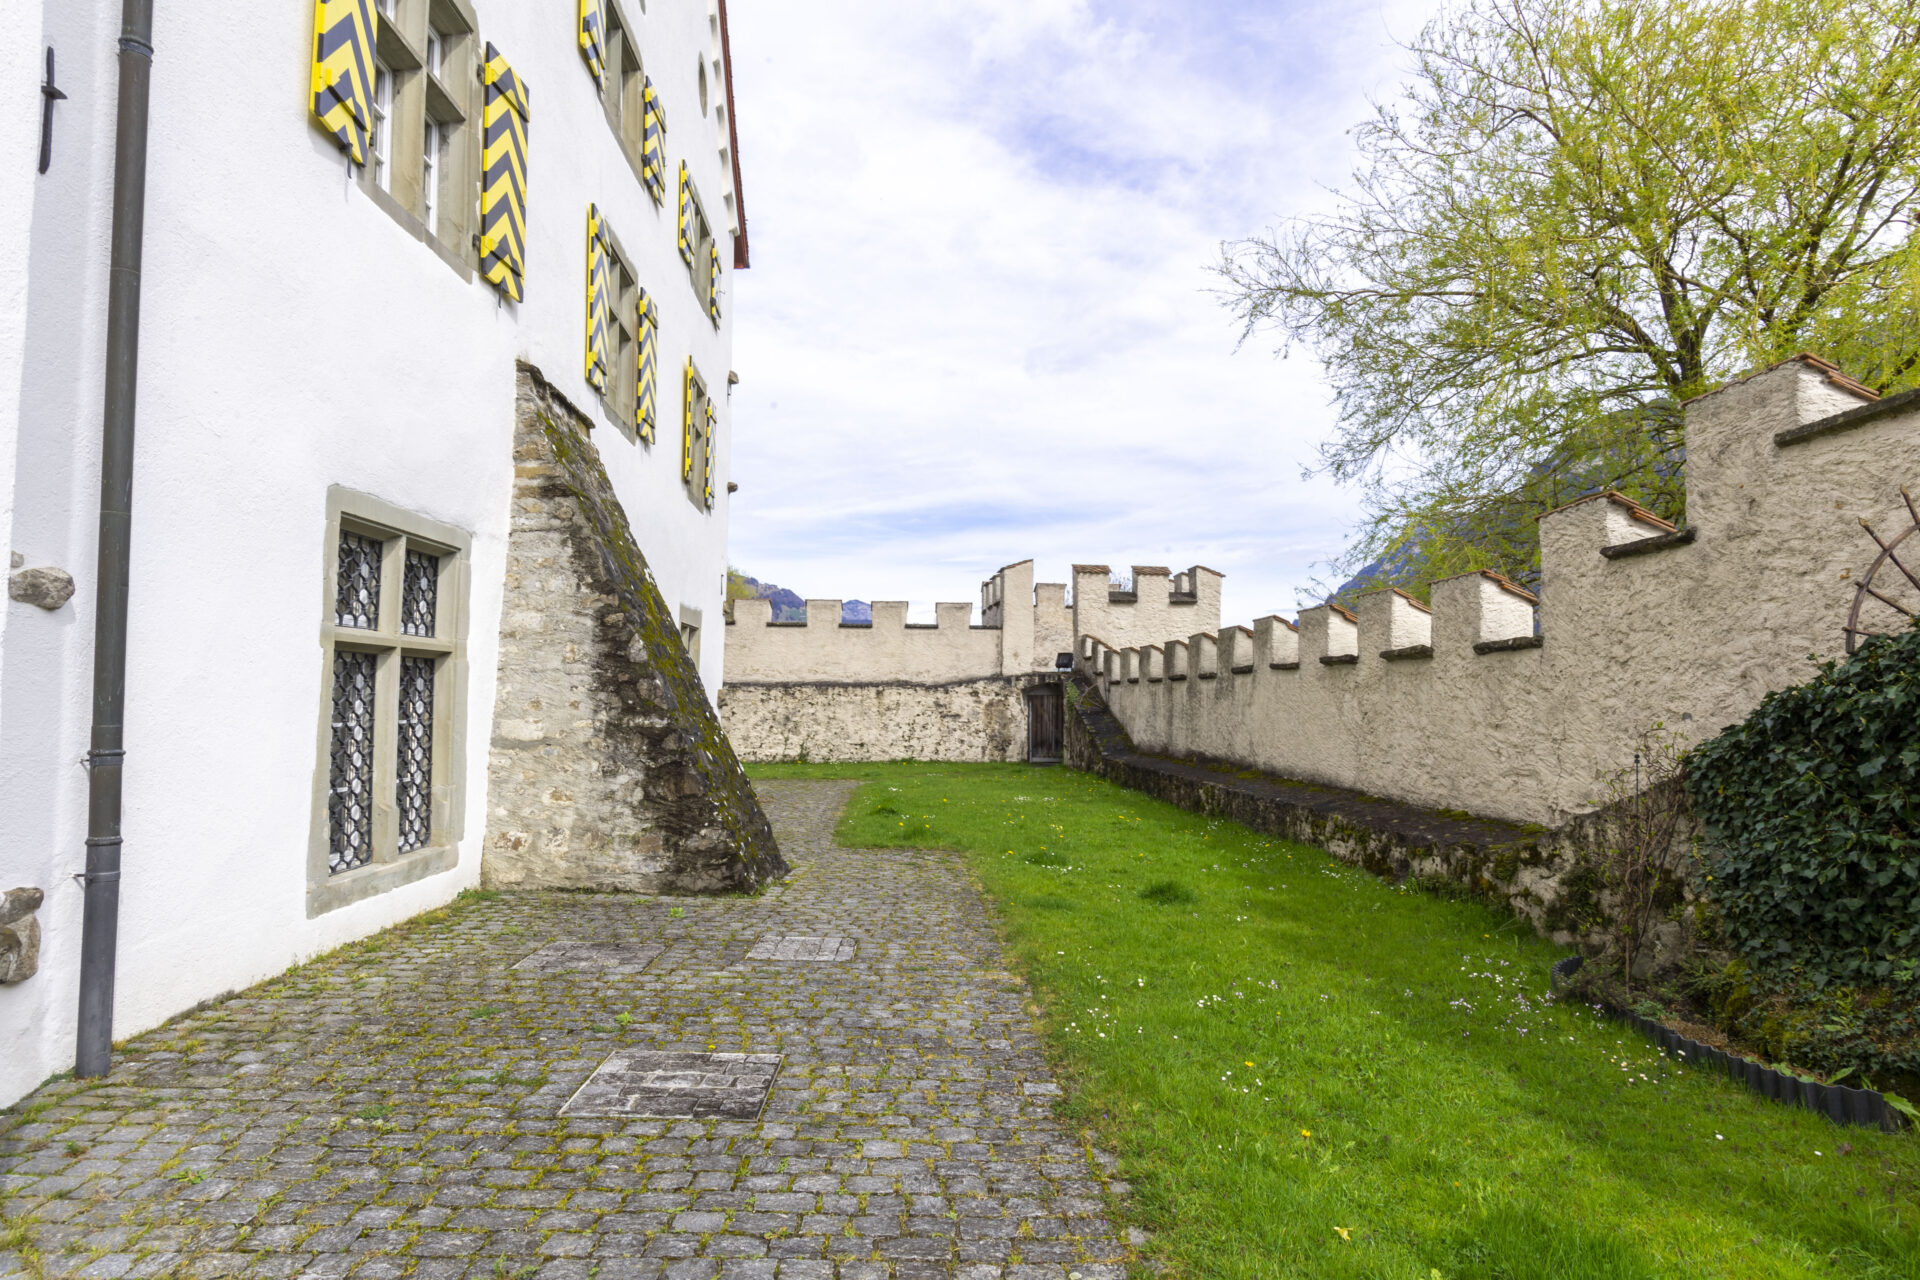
[686,425]
[686,215]
[593,39]
[653,160]
[713,279]
[503,184]
[706,457]
[343,36]
[599,304]
[646,388]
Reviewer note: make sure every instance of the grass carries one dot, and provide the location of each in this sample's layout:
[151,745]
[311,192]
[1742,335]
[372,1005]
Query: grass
[1309,1072]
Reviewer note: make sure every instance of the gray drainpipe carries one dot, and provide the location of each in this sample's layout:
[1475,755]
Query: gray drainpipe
[100,927]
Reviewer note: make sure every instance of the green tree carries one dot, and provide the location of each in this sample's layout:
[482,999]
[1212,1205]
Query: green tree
[1581,213]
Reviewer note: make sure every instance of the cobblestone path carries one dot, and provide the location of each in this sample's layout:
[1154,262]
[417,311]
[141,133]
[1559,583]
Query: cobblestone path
[393,1109]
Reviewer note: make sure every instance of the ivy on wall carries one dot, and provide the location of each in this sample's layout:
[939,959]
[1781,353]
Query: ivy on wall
[1811,809]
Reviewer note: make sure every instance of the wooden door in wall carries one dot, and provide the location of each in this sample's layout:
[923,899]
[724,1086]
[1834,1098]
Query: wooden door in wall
[1046,724]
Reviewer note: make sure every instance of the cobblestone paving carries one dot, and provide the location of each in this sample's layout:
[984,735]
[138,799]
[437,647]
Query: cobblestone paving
[392,1109]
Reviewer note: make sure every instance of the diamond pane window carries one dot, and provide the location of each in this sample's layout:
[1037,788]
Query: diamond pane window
[357,595]
[350,772]
[420,591]
[413,791]
[386,795]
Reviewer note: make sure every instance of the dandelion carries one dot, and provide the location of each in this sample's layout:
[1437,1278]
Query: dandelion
[1343,1234]
[1306,1133]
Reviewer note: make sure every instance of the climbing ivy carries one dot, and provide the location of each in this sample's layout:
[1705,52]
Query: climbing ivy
[1811,809]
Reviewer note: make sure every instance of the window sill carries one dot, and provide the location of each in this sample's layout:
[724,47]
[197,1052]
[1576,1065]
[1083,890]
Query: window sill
[414,227]
[376,878]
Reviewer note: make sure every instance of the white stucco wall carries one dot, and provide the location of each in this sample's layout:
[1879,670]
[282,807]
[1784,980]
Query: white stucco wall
[1155,614]
[22,62]
[1691,636]
[294,337]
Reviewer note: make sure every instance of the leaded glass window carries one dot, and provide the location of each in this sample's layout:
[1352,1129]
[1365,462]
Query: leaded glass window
[386,724]
[414,787]
[357,593]
[421,589]
[350,787]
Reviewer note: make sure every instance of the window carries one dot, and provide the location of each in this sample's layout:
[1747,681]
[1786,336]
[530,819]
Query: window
[426,116]
[429,182]
[698,421]
[388,782]
[690,619]
[622,81]
[698,249]
[382,147]
[614,331]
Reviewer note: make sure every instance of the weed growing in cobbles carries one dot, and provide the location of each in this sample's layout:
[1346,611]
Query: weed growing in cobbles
[1310,1072]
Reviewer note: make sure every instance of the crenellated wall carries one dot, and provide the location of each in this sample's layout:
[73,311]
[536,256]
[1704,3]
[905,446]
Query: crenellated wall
[1499,704]
[950,691]
[1161,604]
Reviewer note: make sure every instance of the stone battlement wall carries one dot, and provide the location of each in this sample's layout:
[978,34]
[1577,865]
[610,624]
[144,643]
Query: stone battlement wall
[1511,707]
[1161,603]
[951,691]
[1024,627]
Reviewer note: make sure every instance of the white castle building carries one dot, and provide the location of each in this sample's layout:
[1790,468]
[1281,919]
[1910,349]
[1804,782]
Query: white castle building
[409,269]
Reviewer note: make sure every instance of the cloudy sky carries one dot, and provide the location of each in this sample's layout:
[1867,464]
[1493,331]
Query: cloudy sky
[978,326]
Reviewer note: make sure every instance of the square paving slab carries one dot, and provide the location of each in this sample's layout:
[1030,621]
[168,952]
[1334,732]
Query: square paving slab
[558,956]
[804,949]
[645,1084]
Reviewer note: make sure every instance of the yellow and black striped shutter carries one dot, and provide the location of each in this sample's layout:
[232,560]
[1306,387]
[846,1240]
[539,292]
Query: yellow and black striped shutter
[599,303]
[713,279]
[503,186]
[647,391]
[593,40]
[706,458]
[343,36]
[653,160]
[686,214]
[686,427]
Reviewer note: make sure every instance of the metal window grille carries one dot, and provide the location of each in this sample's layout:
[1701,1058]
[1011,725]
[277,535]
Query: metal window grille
[419,594]
[350,788]
[357,594]
[414,777]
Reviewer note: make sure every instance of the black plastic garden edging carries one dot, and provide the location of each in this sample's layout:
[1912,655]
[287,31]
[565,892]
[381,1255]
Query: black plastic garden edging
[1865,1107]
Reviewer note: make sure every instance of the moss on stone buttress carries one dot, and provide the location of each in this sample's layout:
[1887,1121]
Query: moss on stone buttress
[678,815]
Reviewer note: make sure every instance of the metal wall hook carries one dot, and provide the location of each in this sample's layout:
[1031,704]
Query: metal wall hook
[50,93]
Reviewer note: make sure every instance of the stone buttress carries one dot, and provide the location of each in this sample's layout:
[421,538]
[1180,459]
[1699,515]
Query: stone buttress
[608,769]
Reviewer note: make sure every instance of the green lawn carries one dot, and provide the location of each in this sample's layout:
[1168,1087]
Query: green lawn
[1309,1072]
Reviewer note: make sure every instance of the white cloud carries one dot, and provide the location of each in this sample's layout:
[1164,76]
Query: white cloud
[977,327]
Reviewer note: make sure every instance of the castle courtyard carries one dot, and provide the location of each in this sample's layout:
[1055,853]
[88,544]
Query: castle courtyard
[998,1021]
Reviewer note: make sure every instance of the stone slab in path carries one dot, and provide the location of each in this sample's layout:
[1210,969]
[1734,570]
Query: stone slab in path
[828,949]
[557,957]
[677,1086]
[395,1109]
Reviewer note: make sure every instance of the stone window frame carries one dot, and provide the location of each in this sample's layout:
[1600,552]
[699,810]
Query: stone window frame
[690,623]
[698,476]
[449,99]
[622,86]
[699,273]
[620,399]
[349,511]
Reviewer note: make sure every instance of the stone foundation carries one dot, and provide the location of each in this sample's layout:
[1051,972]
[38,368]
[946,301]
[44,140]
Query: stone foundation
[608,768]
